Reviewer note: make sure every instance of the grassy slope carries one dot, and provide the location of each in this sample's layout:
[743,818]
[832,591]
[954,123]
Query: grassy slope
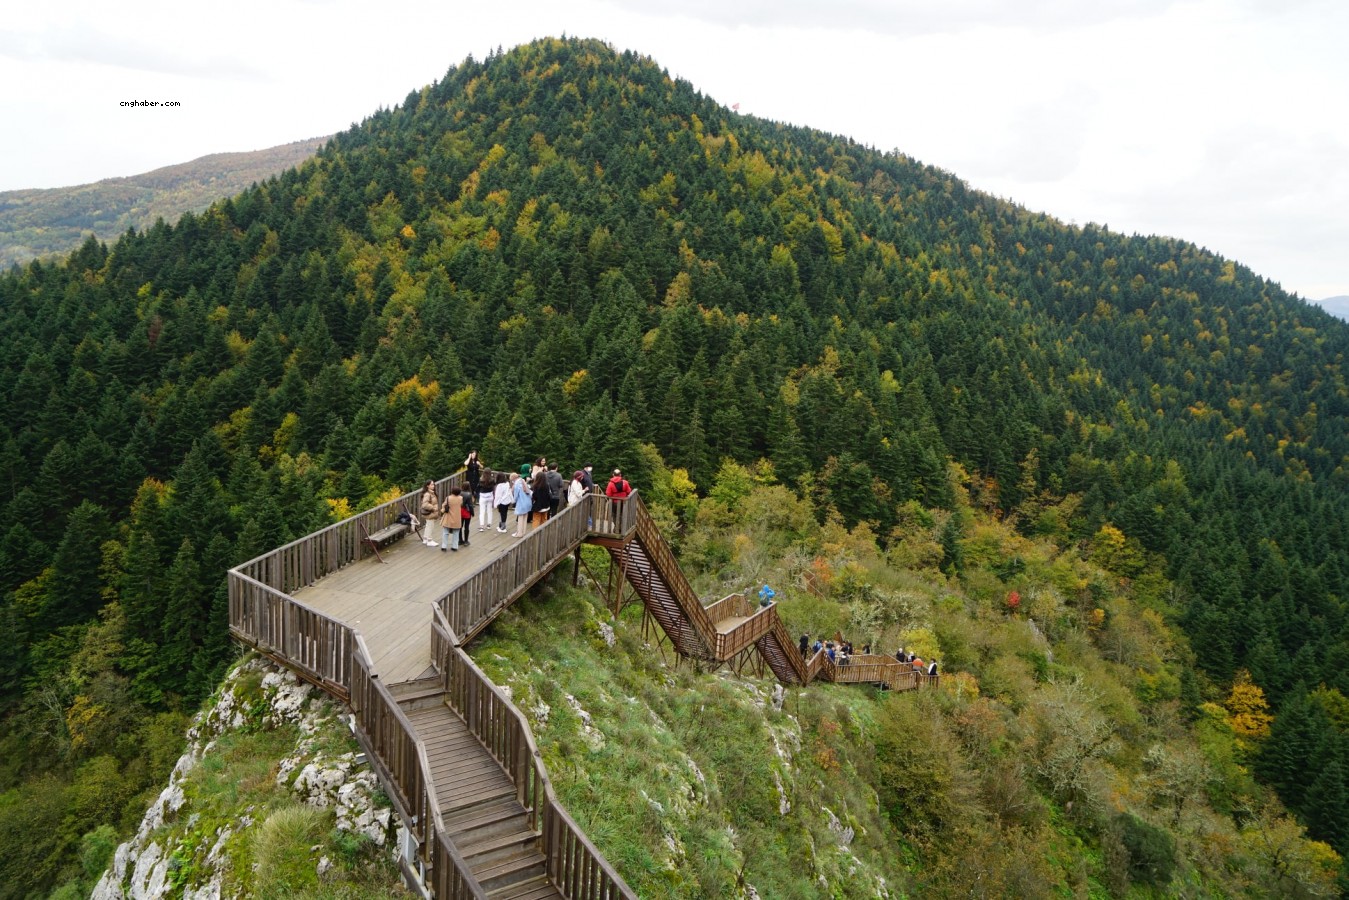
[1066,753]
[44,222]
[694,783]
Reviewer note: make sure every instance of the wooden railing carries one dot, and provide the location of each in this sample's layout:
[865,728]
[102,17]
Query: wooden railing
[473,603]
[575,866]
[305,560]
[663,561]
[815,665]
[392,739]
[873,669]
[450,875]
[759,622]
[748,632]
[728,606]
[615,518]
[318,646]
[790,649]
[333,655]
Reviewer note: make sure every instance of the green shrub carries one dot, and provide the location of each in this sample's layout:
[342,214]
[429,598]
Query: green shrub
[96,848]
[1152,852]
[281,850]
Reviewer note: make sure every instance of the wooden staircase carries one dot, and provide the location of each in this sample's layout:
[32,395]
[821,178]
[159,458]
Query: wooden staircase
[650,568]
[731,628]
[479,804]
[780,652]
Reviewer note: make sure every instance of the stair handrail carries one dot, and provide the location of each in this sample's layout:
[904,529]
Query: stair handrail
[815,665]
[789,649]
[575,865]
[392,737]
[662,558]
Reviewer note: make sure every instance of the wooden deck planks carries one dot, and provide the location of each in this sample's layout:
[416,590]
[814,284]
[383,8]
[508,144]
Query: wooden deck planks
[389,603]
[729,624]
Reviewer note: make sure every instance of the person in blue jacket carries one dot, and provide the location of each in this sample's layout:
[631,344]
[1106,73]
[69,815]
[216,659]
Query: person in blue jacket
[523,504]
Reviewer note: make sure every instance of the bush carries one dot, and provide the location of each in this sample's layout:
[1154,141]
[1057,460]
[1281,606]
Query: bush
[96,849]
[1152,852]
[281,850]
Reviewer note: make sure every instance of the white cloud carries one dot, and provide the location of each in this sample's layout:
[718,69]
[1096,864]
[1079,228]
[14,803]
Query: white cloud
[81,44]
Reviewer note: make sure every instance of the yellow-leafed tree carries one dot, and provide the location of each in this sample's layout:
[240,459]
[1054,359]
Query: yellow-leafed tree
[1247,710]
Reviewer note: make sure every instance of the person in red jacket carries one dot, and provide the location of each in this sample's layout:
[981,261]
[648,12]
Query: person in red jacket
[618,487]
[617,490]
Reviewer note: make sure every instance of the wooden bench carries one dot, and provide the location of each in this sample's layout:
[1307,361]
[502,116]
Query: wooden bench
[384,536]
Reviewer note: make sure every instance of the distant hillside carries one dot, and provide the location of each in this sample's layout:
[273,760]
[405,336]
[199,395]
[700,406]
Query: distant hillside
[1336,306]
[38,223]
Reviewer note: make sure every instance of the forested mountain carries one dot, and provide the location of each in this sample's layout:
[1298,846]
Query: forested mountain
[41,223]
[562,250]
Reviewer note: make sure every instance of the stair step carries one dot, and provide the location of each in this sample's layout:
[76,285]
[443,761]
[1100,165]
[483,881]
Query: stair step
[536,888]
[516,867]
[481,816]
[425,699]
[450,807]
[414,687]
[474,845]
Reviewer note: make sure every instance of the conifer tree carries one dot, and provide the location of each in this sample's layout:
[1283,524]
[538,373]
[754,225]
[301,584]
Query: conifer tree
[184,614]
[405,461]
[786,447]
[1327,803]
[437,459]
[73,593]
[952,554]
[22,556]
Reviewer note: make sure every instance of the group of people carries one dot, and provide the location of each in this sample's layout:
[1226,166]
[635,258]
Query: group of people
[917,662]
[837,651]
[840,652]
[535,494]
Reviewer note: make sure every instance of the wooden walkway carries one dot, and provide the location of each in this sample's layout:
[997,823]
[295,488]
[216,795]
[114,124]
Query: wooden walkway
[479,806]
[387,637]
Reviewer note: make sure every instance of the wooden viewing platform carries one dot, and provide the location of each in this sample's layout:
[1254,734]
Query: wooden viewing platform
[390,603]
[385,632]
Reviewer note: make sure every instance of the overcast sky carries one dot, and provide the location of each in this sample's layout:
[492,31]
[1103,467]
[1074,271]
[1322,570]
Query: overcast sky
[1223,122]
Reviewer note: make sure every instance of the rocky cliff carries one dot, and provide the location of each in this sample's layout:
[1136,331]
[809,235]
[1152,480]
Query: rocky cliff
[272,797]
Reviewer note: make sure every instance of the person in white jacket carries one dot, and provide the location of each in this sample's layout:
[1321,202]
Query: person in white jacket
[486,493]
[576,491]
[502,498]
